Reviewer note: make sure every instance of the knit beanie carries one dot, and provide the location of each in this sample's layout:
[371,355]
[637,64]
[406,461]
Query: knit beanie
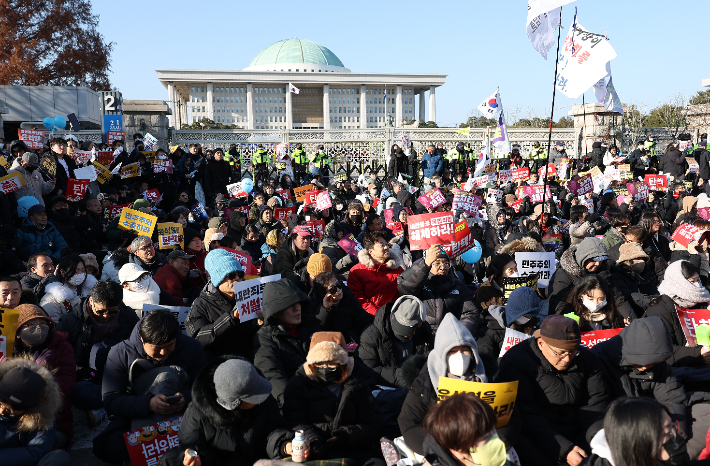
[90,260]
[141,204]
[631,251]
[523,301]
[272,238]
[407,313]
[679,289]
[219,263]
[591,249]
[318,263]
[188,234]
[29,312]
[390,202]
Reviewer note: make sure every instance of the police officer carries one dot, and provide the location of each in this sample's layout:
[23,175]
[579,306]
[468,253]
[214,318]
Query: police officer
[260,163]
[324,162]
[455,156]
[300,163]
[538,153]
[235,162]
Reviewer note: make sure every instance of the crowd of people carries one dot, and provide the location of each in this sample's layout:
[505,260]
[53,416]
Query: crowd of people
[351,344]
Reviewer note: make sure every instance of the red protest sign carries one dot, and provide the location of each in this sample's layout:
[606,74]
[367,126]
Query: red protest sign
[350,245]
[521,174]
[163,166]
[105,158]
[690,319]
[76,189]
[115,210]
[284,193]
[317,227]
[282,213]
[551,170]
[311,197]
[464,240]
[323,201]
[656,182]
[686,234]
[115,136]
[242,258]
[153,196]
[428,229]
[582,185]
[32,139]
[516,205]
[397,228]
[432,199]
[389,217]
[589,339]
[639,191]
[148,444]
[505,176]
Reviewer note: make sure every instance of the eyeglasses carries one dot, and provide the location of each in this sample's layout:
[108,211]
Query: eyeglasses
[563,354]
[440,265]
[334,289]
[13,411]
[235,274]
[147,247]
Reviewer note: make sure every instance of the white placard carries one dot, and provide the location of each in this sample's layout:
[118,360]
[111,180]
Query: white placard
[512,338]
[85,173]
[249,295]
[530,263]
[180,313]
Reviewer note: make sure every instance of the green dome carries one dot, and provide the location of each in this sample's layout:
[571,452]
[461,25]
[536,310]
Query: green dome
[296,51]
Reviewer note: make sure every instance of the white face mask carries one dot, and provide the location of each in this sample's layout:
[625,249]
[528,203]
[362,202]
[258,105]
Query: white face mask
[698,284]
[458,363]
[141,286]
[513,275]
[593,306]
[77,279]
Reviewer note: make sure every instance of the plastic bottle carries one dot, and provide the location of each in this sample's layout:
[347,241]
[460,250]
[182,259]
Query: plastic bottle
[299,448]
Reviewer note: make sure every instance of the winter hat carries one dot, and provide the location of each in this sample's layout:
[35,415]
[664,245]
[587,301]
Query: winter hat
[328,347]
[188,234]
[22,387]
[208,237]
[35,209]
[407,313]
[703,201]
[396,210]
[645,341]
[679,289]
[390,202]
[318,263]
[596,145]
[215,222]
[335,337]
[509,199]
[219,263]
[29,312]
[264,207]
[272,238]
[90,260]
[631,251]
[279,295]
[237,381]
[24,204]
[591,249]
[560,332]
[130,272]
[522,302]
[140,204]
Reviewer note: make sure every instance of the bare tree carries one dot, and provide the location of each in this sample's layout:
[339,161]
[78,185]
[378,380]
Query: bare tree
[673,116]
[634,122]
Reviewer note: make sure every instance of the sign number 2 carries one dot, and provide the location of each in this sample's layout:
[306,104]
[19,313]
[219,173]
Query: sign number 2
[108,103]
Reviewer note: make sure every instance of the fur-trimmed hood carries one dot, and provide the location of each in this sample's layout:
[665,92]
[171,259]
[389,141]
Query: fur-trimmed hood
[60,291]
[568,262]
[526,244]
[328,351]
[365,259]
[40,416]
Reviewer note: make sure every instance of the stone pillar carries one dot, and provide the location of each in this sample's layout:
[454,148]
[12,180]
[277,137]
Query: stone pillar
[363,106]
[422,104]
[398,107]
[289,110]
[171,104]
[250,106]
[326,106]
[210,107]
[432,103]
[598,124]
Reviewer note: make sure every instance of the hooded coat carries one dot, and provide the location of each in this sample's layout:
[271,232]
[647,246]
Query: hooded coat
[374,284]
[496,232]
[422,394]
[379,348]
[235,228]
[441,294]
[27,440]
[675,163]
[638,290]
[232,438]
[490,337]
[35,185]
[48,241]
[683,355]
[285,260]
[555,406]
[644,342]
[346,316]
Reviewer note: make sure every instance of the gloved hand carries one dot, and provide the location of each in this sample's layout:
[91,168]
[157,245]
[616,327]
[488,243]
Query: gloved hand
[339,439]
[591,218]
[195,273]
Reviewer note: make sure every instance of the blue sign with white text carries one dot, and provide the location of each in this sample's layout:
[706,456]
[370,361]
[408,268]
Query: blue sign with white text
[113,123]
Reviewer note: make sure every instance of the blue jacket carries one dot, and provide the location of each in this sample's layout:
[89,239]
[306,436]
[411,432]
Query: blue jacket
[115,391]
[267,251]
[24,447]
[49,240]
[432,164]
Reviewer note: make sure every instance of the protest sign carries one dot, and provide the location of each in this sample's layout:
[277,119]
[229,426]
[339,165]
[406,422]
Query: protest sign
[521,174]
[81,156]
[8,330]
[490,168]
[170,235]
[582,185]
[33,139]
[563,172]
[311,197]
[656,182]
[588,203]
[552,242]
[481,181]
[105,158]
[690,319]
[501,396]
[85,173]
[76,189]
[48,166]
[4,163]
[198,210]
[625,171]
[494,196]
[551,171]
[590,339]
[115,136]
[350,245]
[466,202]
[249,296]
[148,444]
[463,242]
[163,166]
[149,141]
[243,258]
[153,196]
[397,228]
[389,217]
[137,221]
[704,213]
[541,264]
[516,205]
[282,213]
[505,176]
[340,177]
[235,190]
[686,234]
[317,227]
[115,210]
[428,229]
[535,193]
[11,182]
[130,170]
[102,173]
[179,312]
[639,190]
[284,193]
[511,283]
[692,164]
[323,201]
[432,198]
[301,191]
[512,338]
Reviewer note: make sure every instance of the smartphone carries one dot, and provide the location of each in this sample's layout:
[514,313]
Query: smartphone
[172,399]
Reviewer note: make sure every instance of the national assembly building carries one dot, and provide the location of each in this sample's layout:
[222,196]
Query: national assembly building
[330,96]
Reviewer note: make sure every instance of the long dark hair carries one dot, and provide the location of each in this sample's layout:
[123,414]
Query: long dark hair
[458,422]
[633,428]
[647,219]
[66,268]
[584,286]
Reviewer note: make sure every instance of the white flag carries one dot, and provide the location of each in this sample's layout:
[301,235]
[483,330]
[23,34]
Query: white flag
[484,158]
[294,89]
[583,60]
[606,94]
[538,7]
[541,31]
[491,107]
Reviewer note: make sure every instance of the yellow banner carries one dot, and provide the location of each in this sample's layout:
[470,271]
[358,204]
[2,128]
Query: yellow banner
[102,173]
[501,396]
[130,170]
[170,236]
[11,182]
[137,221]
[4,163]
[8,329]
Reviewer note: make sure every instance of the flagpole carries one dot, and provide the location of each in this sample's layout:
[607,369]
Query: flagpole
[552,113]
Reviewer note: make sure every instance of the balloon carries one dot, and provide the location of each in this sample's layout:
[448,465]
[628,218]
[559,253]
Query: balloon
[247,185]
[60,122]
[48,122]
[473,255]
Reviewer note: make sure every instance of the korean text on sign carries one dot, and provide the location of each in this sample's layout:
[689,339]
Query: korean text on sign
[148,444]
[317,227]
[170,235]
[428,229]
[350,245]
[249,295]
[432,199]
[501,396]
[689,320]
[179,312]
[686,234]
[76,189]
[656,182]
[467,202]
[11,182]
[141,223]
[541,263]
[8,330]
[32,138]
[590,339]
[512,338]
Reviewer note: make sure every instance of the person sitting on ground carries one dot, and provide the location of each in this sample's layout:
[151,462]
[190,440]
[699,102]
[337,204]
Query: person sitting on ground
[490,293]
[64,290]
[39,267]
[147,378]
[141,252]
[172,277]
[590,302]
[305,277]
[36,234]
[139,288]
[296,248]
[633,277]
[337,308]
[10,292]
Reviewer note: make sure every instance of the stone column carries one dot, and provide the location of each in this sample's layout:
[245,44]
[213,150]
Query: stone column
[250,106]
[289,110]
[210,107]
[326,106]
[183,112]
[363,106]
[171,104]
[398,107]
[432,103]
[422,104]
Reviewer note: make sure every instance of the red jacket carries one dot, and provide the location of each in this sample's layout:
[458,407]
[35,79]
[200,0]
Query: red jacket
[170,281]
[374,284]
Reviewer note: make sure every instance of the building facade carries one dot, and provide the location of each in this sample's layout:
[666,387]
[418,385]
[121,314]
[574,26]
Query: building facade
[330,95]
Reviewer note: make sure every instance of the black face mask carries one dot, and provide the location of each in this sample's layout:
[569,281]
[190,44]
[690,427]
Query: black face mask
[402,338]
[328,374]
[29,169]
[64,212]
[357,219]
[677,450]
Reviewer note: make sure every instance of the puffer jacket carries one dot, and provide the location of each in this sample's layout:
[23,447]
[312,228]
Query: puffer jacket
[432,164]
[683,355]
[374,284]
[638,290]
[555,406]
[59,299]
[286,260]
[490,337]
[442,294]
[48,241]
[346,316]
[378,348]
[27,440]
[675,163]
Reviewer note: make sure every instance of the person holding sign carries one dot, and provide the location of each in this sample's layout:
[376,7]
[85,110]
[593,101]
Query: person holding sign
[26,166]
[294,250]
[562,394]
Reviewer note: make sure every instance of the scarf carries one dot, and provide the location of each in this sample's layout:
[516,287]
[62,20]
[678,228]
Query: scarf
[680,290]
[102,329]
[135,300]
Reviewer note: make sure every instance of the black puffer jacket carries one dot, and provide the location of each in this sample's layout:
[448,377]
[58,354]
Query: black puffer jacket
[346,316]
[675,163]
[441,294]
[223,437]
[556,406]
[67,227]
[216,178]
[211,321]
[378,348]
[491,336]
[682,355]
[644,342]
[636,289]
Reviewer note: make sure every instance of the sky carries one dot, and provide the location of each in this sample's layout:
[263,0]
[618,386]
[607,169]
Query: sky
[479,44]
